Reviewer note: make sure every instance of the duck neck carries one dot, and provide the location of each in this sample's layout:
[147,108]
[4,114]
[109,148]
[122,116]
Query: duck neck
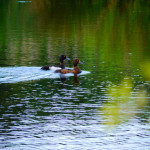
[61,64]
[75,65]
[61,61]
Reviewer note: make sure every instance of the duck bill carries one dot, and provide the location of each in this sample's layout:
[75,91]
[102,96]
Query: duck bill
[67,58]
[80,62]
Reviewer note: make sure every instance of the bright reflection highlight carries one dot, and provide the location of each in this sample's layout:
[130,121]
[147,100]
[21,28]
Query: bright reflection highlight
[123,103]
[145,67]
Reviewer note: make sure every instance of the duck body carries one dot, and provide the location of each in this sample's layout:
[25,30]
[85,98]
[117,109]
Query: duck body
[61,65]
[76,70]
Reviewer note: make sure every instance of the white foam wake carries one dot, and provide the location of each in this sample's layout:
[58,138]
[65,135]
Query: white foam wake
[21,74]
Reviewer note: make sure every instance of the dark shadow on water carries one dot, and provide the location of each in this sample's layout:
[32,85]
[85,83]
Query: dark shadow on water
[75,78]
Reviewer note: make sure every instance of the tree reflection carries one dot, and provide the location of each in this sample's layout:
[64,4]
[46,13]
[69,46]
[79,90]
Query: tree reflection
[75,27]
[145,67]
[123,102]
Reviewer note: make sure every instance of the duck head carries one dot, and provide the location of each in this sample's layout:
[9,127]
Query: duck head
[76,62]
[63,57]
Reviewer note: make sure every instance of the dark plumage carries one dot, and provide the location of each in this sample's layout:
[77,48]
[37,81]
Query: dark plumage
[61,65]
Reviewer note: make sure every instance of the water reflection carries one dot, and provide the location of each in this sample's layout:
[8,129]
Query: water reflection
[45,30]
[145,67]
[75,78]
[37,110]
[124,101]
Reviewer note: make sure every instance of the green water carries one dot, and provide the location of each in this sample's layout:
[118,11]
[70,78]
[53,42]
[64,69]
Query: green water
[107,108]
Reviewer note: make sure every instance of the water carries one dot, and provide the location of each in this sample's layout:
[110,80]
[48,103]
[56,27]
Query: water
[106,106]
[21,74]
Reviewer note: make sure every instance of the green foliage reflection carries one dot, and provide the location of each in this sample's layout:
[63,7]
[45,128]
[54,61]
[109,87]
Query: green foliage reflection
[103,31]
[123,103]
[145,67]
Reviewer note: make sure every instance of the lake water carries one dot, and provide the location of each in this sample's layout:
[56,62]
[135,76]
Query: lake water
[106,107]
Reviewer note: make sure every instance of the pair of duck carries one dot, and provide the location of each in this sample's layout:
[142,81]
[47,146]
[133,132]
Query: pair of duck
[62,69]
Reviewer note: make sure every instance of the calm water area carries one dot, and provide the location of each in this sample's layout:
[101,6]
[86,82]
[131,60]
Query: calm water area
[107,107]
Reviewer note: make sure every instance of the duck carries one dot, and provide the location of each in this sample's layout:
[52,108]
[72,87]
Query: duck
[75,71]
[61,65]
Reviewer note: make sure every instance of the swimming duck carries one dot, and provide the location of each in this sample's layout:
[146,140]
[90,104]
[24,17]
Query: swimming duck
[76,70]
[61,66]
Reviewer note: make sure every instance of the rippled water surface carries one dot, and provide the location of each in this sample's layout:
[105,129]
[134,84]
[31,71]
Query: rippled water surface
[106,106]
